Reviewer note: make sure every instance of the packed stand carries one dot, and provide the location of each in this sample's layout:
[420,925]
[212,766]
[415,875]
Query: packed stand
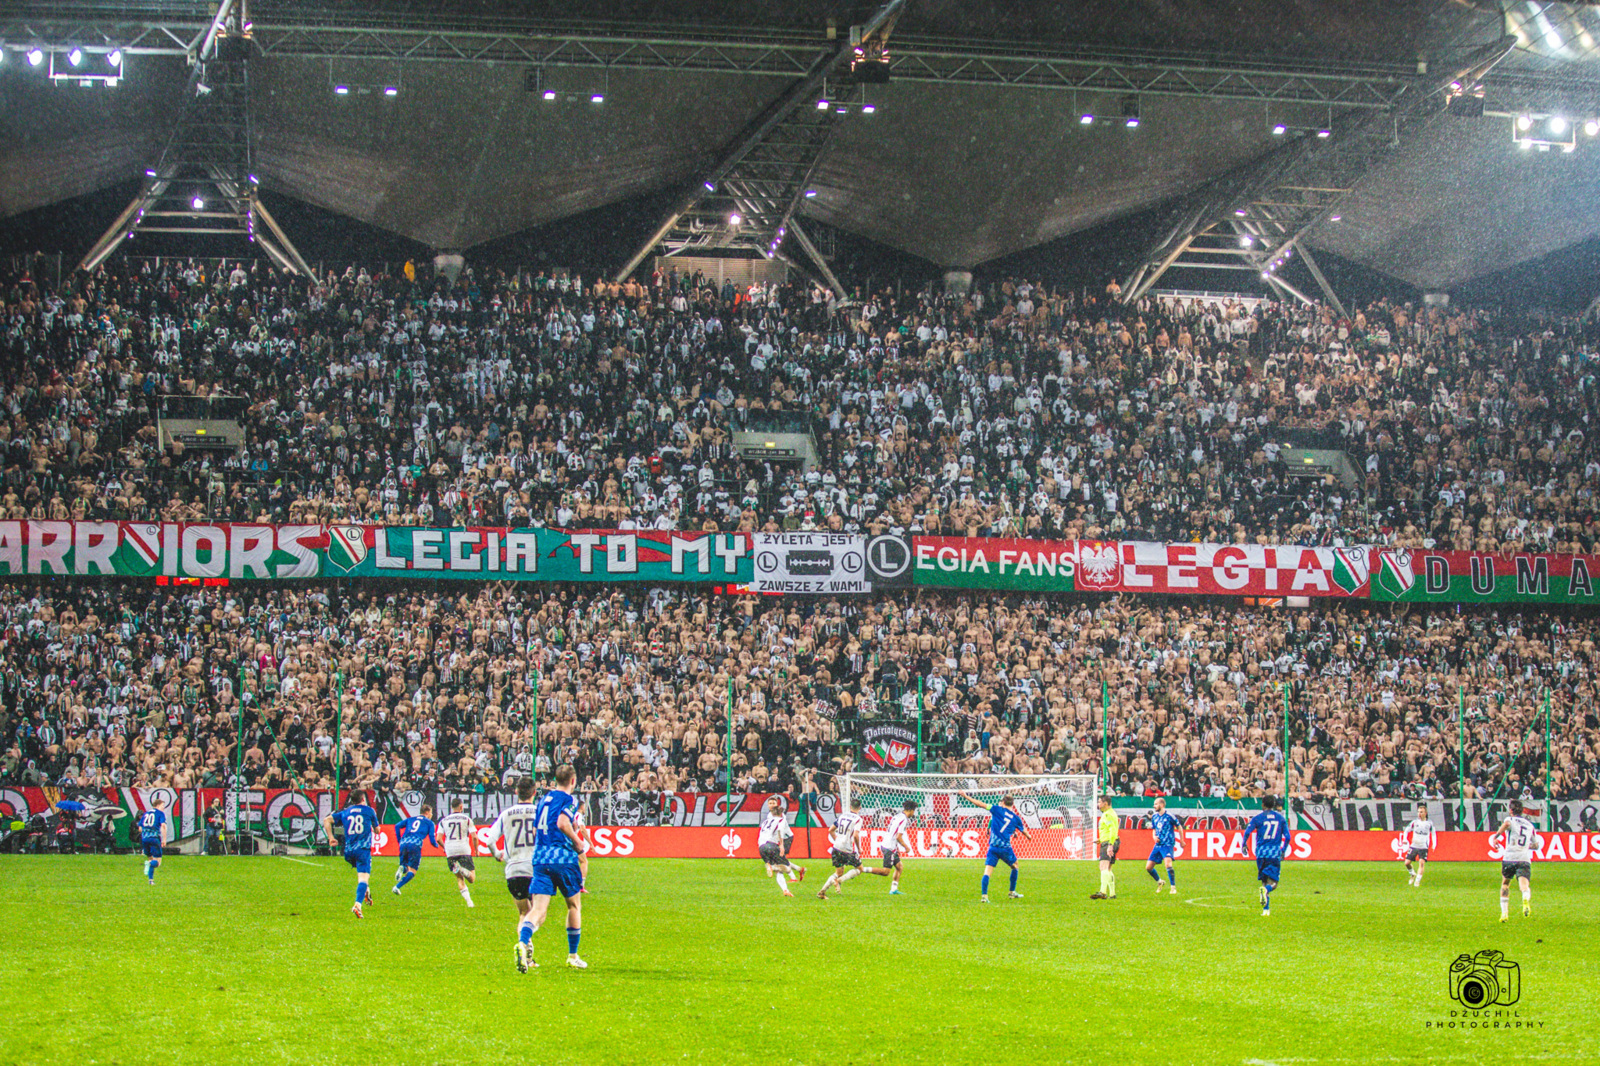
[517,398]
[435,688]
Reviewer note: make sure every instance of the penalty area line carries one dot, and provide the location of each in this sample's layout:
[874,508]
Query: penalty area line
[303,862]
[1201,901]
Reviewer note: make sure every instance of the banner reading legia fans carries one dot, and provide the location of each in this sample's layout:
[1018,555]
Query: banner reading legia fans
[1419,576]
[1139,566]
[239,551]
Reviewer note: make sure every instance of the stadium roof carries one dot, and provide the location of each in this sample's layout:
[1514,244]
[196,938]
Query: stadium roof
[957,166]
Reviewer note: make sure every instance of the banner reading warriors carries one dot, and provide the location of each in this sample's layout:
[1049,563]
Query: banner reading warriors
[1420,576]
[261,552]
[1139,566]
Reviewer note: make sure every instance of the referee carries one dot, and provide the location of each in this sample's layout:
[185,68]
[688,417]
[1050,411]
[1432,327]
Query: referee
[1107,839]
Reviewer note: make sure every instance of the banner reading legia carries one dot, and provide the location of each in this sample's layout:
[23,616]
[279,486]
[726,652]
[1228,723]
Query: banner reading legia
[261,552]
[1139,566]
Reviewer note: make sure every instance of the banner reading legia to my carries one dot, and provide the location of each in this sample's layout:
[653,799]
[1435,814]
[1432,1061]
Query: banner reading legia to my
[240,551]
[1139,566]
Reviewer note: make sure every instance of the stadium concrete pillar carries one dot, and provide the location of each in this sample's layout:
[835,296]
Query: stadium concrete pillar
[449,264]
[957,282]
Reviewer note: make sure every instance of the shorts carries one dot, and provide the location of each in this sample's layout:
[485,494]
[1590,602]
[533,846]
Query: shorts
[1267,869]
[1001,853]
[841,859]
[772,855]
[459,863]
[1417,853]
[891,857]
[411,858]
[1159,854]
[518,887]
[550,878]
[1108,852]
[361,860]
[152,850]
[1513,870]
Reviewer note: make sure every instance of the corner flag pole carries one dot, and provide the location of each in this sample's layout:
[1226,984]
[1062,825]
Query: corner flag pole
[727,765]
[1461,756]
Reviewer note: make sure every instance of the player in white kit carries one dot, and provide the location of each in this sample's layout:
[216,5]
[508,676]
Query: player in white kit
[844,836]
[1516,860]
[775,834]
[1422,836]
[456,830]
[518,827]
[896,841]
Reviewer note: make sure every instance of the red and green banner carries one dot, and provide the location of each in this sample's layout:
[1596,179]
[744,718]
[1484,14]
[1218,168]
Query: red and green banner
[1421,576]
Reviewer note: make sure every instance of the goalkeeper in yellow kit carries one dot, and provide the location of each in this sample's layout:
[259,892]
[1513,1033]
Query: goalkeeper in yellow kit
[1106,836]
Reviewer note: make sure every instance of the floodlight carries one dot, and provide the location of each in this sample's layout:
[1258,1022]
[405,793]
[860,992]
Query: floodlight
[198,203]
[1558,124]
[35,57]
[114,57]
[75,57]
[1279,130]
[597,98]
[391,90]
[734,219]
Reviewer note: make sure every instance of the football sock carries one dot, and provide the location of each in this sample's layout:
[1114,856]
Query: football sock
[1527,893]
[1505,905]
[1153,875]
[151,873]
[985,884]
[1105,878]
[783,882]
[361,891]
[524,933]
[848,874]
[1013,879]
[572,940]
[406,880]
[1172,877]
[1111,880]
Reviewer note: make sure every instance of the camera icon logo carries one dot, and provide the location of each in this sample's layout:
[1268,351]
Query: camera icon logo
[1487,979]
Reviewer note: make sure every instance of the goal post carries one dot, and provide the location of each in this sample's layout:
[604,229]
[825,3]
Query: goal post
[1057,810]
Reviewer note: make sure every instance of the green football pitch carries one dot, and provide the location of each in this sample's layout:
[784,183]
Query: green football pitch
[258,960]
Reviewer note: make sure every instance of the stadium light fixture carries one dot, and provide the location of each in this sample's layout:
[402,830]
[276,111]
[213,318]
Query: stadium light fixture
[549,94]
[254,180]
[734,219]
[1266,275]
[75,57]
[811,194]
[822,105]
[35,57]
[868,109]
[1558,124]
[1591,127]
[114,57]
[391,90]
[198,203]
[1279,129]
[597,98]
[1335,218]
[149,173]
[341,90]
[1239,211]
[1524,122]
[1324,133]
[1086,119]
[1245,240]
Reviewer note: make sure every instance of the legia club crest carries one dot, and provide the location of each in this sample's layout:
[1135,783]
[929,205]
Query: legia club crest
[347,546]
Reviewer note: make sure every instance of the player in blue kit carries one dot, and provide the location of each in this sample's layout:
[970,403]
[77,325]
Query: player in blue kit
[412,832]
[1270,830]
[152,826]
[1164,828]
[555,860]
[1003,822]
[358,821]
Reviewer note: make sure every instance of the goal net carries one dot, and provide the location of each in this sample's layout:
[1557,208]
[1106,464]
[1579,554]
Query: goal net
[1057,810]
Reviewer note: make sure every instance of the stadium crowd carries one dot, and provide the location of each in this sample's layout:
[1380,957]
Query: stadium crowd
[517,398]
[435,688]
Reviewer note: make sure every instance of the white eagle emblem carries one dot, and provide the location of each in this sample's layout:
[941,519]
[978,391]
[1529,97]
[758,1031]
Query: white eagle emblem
[1099,565]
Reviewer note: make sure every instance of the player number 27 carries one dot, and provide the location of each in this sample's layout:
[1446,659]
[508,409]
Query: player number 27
[1269,830]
